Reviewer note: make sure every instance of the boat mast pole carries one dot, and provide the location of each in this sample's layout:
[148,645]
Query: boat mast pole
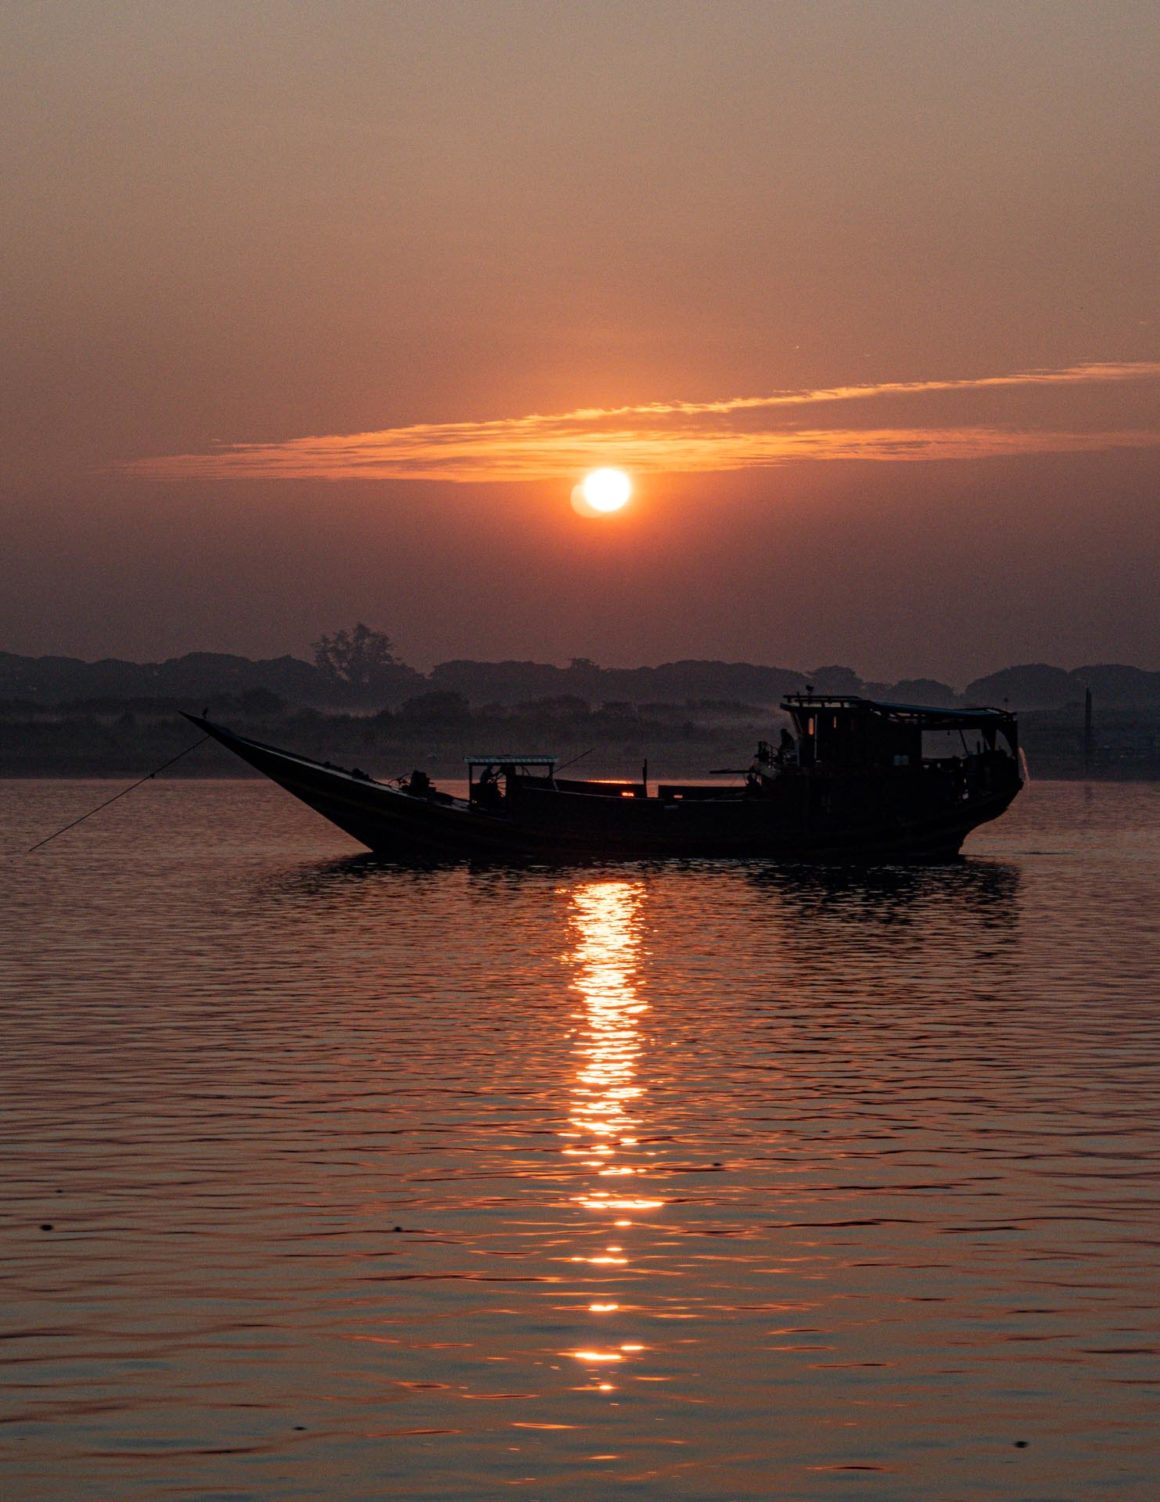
[1089,740]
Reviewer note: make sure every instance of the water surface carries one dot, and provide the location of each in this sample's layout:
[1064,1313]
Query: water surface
[705,1181]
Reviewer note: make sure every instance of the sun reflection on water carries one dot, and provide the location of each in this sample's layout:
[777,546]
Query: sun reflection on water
[607,1094]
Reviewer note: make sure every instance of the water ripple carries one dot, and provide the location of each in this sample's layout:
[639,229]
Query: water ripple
[325,1177]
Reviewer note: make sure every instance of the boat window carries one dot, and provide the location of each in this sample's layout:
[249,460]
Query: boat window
[942,745]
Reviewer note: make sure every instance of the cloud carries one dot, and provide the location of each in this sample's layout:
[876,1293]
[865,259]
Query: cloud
[680,437]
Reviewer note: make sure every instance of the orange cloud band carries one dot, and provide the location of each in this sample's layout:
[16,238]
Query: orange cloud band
[660,437]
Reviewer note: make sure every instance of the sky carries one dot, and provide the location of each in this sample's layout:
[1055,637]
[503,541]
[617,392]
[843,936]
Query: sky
[314,313]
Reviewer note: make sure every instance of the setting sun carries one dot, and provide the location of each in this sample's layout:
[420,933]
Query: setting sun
[607,489]
[602,492]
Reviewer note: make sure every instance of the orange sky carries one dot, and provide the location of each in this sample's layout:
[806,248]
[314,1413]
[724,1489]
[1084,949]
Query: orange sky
[671,438]
[768,255]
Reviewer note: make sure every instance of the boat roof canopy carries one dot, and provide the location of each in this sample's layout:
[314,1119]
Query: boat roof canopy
[930,717]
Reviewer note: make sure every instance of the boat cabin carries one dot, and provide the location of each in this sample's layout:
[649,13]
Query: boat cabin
[847,732]
[484,774]
[490,780]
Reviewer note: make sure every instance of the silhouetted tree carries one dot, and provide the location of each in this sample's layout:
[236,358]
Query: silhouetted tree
[557,707]
[835,680]
[440,707]
[1031,685]
[357,660]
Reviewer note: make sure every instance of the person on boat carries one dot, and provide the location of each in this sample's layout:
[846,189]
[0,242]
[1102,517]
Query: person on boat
[487,793]
[418,784]
[759,768]
[786,749]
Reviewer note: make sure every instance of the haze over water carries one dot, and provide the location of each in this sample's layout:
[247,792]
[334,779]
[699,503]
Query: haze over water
[699,1181]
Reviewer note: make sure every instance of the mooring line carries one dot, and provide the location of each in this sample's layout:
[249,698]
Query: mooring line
[41,843]
[573,761]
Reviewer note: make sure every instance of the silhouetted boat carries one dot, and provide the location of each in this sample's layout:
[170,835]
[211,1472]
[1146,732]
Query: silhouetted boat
[857,780]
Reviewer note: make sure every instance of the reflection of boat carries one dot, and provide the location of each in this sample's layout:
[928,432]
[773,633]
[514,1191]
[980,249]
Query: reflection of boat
[858,780]
[987,890]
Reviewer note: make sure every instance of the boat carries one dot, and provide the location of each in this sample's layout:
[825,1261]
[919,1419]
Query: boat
[855,779]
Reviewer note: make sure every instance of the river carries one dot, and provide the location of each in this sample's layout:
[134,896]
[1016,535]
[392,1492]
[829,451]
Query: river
[324,1178]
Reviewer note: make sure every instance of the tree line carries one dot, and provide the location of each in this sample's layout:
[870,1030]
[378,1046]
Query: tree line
[359,668]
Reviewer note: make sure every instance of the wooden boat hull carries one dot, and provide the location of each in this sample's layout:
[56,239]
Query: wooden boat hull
[914,815]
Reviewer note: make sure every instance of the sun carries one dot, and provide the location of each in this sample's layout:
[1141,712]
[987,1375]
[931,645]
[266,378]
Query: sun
[602,492]
[607,489]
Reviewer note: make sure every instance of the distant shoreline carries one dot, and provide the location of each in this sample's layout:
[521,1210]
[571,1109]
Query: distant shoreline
[118,741]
